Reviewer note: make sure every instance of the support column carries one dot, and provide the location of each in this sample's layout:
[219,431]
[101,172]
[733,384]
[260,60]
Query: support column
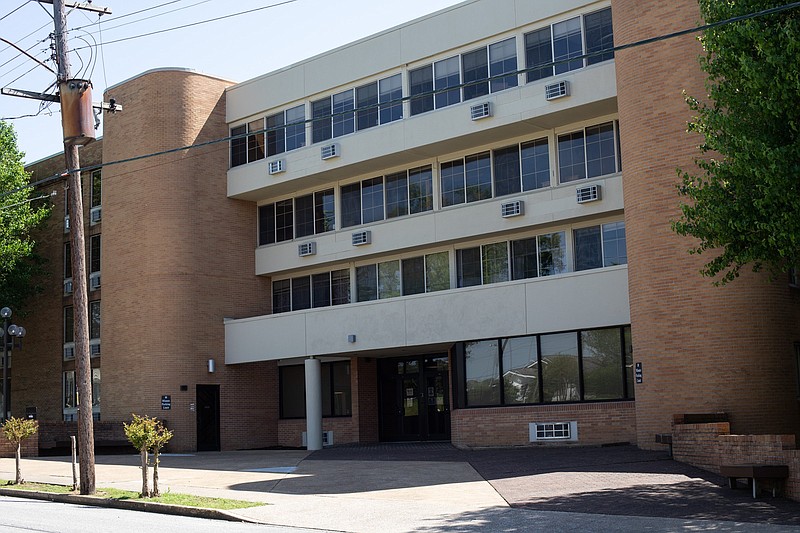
[313,404]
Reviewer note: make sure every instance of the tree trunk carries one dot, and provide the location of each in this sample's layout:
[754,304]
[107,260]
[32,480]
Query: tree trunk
[19,470]
[145,490]
[156,492]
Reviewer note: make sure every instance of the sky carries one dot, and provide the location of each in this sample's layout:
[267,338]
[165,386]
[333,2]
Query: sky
[276,33]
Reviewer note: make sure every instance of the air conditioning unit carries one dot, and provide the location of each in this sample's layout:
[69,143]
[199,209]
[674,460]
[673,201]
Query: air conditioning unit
[306,249]
[277,166]
[587,193]
[327,438]
[69,350]
[512,209]
[330,151]
[95,215]
[66,224]
[94,281]
[68,286]
[94,347]
[556,90]
[361,238]
[553,431]
[479,111]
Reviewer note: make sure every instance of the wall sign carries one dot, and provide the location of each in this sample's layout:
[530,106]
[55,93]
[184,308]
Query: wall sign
[166,402]
[638,372]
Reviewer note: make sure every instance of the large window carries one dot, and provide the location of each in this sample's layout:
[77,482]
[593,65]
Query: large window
[588,153]
[298,217]
[97,189]
[586,365]
[272,135]
[394,195]
[317,290]
[600,246]
[70,394]
[559,48]
[94,254]
[336,390]
[389,279]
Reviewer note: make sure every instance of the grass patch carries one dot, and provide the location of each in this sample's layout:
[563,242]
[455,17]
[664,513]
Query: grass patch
[169,498]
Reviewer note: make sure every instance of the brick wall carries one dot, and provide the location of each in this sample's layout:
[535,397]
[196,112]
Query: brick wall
[598,423]
[345,430]
[365,381]
[29,448]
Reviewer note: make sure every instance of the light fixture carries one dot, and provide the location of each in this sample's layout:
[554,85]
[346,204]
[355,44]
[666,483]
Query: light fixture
[351,338]
[212,366]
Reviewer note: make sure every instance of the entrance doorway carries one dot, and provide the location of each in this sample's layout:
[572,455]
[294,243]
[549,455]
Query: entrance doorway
[414,398]
[208,418]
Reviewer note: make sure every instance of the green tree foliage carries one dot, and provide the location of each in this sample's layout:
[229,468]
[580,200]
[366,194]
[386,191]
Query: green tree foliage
[17,430]
[18,217]
[744,203]
[148,434]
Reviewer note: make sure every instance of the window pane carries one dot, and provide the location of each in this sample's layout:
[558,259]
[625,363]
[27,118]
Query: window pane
[437,272]
[351,205]
[70,396]
[97,185]
[238,146]
[414,275]
[452,183]
[284,221]
[95,387]
[69,325]
[321,289]
[281,296]
[94,253]
[367,283]
[301,293]
[293,391]
[321,126]
[396,195]
[276,135]
[629,361]
[524,259]
[552,254]
[482,372]
[502,60]
[560,367]
[571,157]
[389,279]
[601,158]
[304,215]
[325,369]
[391,96]
[420,189]
[367,104]
[599,36]
[296,127]
[614,249]
[469,267]
[520,370]
[506,171]
[587,248]
[341,401]
[602,364]
[476,68]
[340,286]
[478,176]
[324,216]
[538,51]
[495,262]
[67,261]
[567,43]
[94,320]
[447,74]
[343,118]
[372,200]
[421,89]
[255,142]
[266,224]
[535,165]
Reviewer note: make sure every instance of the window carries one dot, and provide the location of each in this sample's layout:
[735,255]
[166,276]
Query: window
[324,214]
[507,171]
[421,89]
[535,164]
[281,296]
[482,373]
[94,320]
[321,128]
[67,261]
[482,265]
[69,332]
[552,253]
[602,360]
[70,404]
[336,390]
[286,130]
[398,194]
[503,60]
[70,391]
[304,215]
[294,218]
[94,254]
[351,205]
[255,140]
[599,246]
[390,97]
[588,153]
[520,370]
[284,223]
[304,292]
[467,180]
[96,191]
[238,146]
[367,105]
[447,74]
[372,200]
[562,44]
[301,293]
[415,275]
[476,68]
[343,117]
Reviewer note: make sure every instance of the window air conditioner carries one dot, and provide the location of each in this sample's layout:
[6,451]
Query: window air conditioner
[587,193]
[306,249]
[361,238]
[277,166]
[94,281]
[556,90]
[68,286]
[479,111]
[95,215]
[512,209]
[330,151]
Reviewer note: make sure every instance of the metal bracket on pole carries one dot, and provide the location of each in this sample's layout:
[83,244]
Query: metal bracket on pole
[111,105]
[85,7]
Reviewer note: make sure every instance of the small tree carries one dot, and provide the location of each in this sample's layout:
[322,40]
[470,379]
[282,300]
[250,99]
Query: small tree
[17,430]
[160,439]
[141,433]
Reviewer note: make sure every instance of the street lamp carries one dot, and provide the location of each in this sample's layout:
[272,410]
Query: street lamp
[8,332]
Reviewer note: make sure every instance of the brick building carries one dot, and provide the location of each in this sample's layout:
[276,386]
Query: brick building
[423,235]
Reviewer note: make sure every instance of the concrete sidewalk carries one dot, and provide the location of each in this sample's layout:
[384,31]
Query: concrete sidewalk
[435,487]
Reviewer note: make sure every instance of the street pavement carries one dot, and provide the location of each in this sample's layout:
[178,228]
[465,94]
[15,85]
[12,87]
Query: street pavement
[436,487]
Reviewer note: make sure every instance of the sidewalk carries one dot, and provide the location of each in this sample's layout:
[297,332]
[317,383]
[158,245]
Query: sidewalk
[435,487]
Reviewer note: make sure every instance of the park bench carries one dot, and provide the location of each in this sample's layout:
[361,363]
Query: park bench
[756,475]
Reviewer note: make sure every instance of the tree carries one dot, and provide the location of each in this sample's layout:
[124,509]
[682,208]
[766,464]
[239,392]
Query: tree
[744,203]
[17,430]
[141,434]
[19,215]
[160,439]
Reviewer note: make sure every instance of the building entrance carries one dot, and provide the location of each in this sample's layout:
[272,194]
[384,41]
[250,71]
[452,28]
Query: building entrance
[414,398]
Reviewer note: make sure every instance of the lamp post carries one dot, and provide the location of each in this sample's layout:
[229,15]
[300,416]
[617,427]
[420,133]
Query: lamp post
[8,332]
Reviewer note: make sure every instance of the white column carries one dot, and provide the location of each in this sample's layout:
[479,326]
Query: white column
[313,404]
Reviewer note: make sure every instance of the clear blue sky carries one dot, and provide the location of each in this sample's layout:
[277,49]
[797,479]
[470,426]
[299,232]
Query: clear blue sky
[237,48]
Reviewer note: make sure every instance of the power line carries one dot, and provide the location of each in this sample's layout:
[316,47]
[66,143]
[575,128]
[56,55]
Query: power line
[14,10]
[146,18]
[228,138]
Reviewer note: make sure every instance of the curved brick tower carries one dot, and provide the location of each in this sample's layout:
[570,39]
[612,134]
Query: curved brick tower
[703,348]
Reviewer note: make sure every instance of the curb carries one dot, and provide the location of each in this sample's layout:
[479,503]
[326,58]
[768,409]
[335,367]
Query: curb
[130,505]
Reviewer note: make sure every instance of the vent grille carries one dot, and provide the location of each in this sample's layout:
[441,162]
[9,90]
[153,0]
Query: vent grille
[94,347]
[553,431]
[330,151]
[277,166]
[306,249]
[94,281]
[557,90]
[479,111]
[587,193]
[95,215]
[361,238]
[512,209]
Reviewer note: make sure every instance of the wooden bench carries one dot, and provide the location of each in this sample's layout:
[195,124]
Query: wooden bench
[776,474]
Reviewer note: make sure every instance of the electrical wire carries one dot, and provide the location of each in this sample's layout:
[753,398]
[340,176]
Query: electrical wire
[147,18]
[15,10]
[228,138]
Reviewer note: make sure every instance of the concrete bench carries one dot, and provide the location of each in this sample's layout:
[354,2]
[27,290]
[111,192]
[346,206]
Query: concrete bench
[755,474]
